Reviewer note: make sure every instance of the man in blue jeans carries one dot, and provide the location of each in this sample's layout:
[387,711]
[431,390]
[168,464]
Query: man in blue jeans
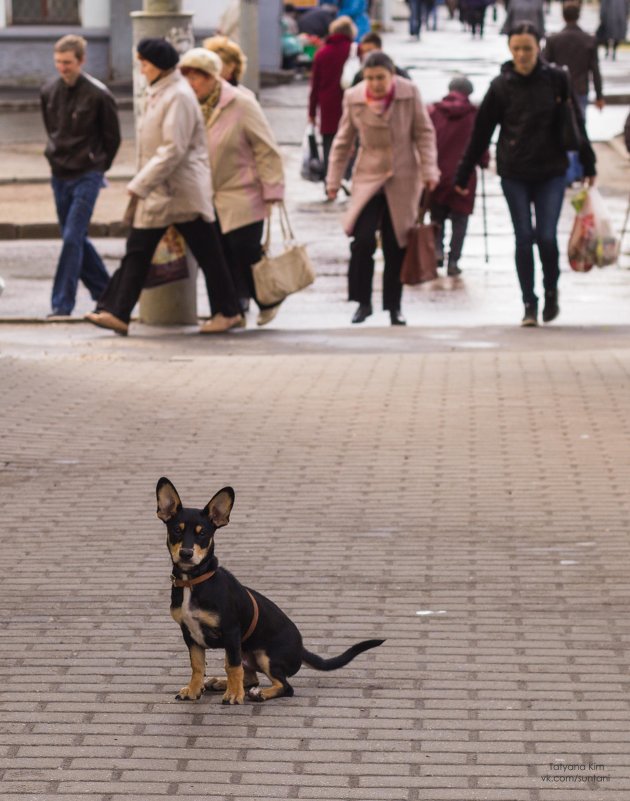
[83,138]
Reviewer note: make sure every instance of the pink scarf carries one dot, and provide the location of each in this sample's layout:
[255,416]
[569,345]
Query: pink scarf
[379,105]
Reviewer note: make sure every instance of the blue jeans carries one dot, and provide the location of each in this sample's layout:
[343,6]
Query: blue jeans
[75,199]
[546,198]
[415,17]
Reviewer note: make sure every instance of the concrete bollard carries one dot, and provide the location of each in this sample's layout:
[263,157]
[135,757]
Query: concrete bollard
[174,303]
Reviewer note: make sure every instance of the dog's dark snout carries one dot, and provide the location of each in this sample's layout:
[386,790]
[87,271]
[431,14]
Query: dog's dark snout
[185,553]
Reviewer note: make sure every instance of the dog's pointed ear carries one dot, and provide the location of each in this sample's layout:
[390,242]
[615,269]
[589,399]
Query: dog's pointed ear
[168,502]
[219,508]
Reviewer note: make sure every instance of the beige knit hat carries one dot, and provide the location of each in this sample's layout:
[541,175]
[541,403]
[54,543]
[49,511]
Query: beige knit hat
[201,59]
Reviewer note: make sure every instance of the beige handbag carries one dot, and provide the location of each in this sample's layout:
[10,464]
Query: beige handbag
[275,277]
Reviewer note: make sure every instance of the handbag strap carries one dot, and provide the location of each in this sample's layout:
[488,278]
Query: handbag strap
[285,226]
[424,206]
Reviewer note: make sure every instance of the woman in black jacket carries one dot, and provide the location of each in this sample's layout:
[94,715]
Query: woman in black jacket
[526,101]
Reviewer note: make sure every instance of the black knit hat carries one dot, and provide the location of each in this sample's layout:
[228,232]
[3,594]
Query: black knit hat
[159,52]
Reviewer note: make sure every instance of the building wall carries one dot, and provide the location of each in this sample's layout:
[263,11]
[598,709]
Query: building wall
[95,13]
[26,50]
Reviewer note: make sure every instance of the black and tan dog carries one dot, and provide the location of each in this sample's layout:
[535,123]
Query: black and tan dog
[215,610]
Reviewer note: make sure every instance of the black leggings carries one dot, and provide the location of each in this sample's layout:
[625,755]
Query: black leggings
[375,215]
[125,285]
[243,248]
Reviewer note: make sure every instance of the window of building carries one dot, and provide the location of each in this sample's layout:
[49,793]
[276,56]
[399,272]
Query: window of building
[45,12]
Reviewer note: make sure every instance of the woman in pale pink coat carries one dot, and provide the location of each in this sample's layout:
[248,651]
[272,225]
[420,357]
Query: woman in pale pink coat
[247,173]
[397,158]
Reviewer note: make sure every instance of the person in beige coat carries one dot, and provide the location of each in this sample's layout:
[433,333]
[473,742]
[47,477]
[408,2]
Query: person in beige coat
[247,173]
[397,158]
[172,187]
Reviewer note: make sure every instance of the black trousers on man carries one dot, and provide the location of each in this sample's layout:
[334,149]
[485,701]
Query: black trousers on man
[375,215]
[126,284]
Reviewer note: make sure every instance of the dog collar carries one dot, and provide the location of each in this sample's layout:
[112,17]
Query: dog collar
[191,582]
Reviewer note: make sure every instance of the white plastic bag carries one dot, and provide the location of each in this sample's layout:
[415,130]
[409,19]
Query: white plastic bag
[592,240]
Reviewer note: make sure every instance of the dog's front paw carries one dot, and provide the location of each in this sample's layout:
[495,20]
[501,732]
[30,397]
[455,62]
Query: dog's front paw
[189,693]
[234,697]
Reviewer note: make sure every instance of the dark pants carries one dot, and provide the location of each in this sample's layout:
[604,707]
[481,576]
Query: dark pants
[546,197]
[243,248]
[375,215]
[74,200]
[327,140]
[476,19]
[126,284]
[459,226]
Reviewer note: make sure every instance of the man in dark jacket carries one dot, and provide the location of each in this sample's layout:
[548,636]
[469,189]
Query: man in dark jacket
[577,50]
[81,121]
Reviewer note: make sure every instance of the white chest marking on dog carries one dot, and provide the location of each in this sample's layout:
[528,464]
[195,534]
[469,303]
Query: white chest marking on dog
[192,617]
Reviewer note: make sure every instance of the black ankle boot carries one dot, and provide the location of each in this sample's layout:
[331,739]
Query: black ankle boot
[396,318]
[363,311]
[530,317]
[551,309]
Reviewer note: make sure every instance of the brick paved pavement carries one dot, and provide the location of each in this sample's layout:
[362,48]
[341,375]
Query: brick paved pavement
[471,505]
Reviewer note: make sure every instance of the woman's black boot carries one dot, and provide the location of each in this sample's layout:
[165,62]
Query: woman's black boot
[396,317]
[362,313]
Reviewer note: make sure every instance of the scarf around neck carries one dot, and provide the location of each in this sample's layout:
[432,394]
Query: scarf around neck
[209,104]
[379,105]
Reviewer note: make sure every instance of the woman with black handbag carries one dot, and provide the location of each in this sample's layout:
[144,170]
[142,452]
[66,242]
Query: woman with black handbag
[531,101]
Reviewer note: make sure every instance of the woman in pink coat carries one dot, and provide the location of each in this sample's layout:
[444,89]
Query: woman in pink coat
[397,158]
[247,172]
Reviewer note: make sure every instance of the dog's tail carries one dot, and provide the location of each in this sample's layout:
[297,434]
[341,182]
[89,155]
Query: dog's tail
[317,663]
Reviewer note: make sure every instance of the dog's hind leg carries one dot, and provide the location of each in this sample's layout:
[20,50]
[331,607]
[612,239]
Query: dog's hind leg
[276,675]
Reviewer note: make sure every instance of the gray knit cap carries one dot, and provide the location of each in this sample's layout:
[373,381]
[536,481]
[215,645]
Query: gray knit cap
[460,83]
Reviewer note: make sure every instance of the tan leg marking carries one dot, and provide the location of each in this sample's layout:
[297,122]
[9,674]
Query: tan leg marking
[235,692]
[277,687]
[217,684]
[195,687]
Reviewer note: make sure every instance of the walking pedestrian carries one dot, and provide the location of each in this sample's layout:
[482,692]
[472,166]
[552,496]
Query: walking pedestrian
[81,121]
[613,25]
[531,11]
[397,158]
[453,119]
[172,187]
[233,59]
[474,13]
[525,101]
[576,50]
[419,13]
[316,21]
[369,44]
[246,165]
[326,91]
